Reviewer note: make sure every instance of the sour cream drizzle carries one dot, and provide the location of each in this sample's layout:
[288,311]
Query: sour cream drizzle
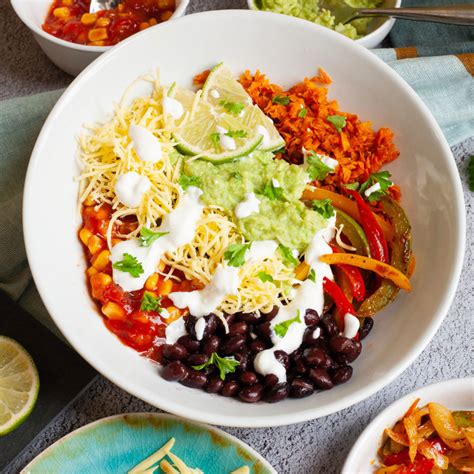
[173,107]
[309,295]
[130,188]
[146,145]
[247,207]
[227,142]
[180,224]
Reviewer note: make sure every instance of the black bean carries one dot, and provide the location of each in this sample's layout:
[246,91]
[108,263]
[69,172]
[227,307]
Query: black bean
[265,330]
[300,367]
[230,388]
[269,316]
[248,317]
[233,345]
[191,344]
[174,371]
[366,327]
[194,379]
[190,325]
[239,328]
[270,380]
[329,326]
[214,384]
[211,345]
[317,357]
[211,326]
[277,393]
[230,318]
[347,349]
[283,358]
[352,354]
[175,352]
[257,345]
[197,359]
[312,336]
[301,388]
[251,394]
[342,374]
[311,318]
[243,359]
[320,378]
[248,377]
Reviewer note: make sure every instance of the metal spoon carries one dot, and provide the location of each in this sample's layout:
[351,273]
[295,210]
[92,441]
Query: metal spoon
[453,14]
[97,5]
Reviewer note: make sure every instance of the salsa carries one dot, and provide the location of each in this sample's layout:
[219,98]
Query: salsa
[70,20]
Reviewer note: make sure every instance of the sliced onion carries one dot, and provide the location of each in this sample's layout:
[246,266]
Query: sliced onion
[463,460]
[412,433]
[400,438]
[444,423]
[431,452]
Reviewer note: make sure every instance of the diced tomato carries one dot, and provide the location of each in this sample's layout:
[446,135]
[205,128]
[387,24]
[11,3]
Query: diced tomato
[421,465]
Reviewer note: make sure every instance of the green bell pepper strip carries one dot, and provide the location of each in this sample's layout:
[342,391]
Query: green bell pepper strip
[354,232]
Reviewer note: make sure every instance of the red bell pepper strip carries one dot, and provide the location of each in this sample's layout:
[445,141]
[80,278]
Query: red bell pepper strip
[373,231]
[338,296]
[354,277]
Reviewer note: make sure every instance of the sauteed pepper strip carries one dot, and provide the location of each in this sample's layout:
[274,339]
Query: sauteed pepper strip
[334,291]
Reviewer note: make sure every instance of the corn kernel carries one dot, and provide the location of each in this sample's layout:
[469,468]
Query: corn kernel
[161,266]
[153,21]
[166,4]
[152,282]
[85,234]
[97,34]
[140,316]
[67,3]
[96,43]
[103,21]
[99,282]
[144,25]
[91,271]
[166,15]
[113,310]
[101,260]
[89,201]
[120,7]
[61,12]
[88,18]
[174,314]
[95,244]
[165,287]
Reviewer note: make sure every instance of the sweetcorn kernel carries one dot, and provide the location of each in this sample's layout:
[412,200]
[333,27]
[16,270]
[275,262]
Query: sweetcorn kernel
[153,21]
[165,287]
[91,271]
[113,310]
[101,260]
[67,3]
[85,234]
[94,244]
[174,314]
[97,34]
[152,282]
[61,12]
[88,18]
[144,25]
[103,21]
[166,15]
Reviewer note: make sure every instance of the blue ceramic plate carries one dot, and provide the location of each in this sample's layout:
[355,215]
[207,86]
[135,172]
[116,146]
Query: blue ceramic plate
[116,444]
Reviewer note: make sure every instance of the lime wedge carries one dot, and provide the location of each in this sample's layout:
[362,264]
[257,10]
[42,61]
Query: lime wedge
[19,385]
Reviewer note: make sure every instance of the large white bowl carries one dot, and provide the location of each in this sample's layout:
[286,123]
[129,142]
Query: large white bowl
[287,49]
[70,57]
[456,394]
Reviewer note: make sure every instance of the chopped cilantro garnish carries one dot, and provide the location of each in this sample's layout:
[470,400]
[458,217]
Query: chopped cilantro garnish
[287,255]
[150,302]
[272,192]
[312,275]
[147,236]
[282,328]
[316,168]
[383,178]
[235,254]
[185,181]
[236,175]
[215,139]
[281,99]
[265,276]
[339,121]
[236,133]
[225,365]
[323,207]
[233,108]
[129,264]
[302,113]
[470,172]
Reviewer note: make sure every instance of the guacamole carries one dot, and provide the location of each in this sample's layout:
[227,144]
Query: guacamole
[309,10]
[283,217]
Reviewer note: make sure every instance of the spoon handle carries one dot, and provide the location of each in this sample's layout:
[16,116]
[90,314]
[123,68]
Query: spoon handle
[453,14]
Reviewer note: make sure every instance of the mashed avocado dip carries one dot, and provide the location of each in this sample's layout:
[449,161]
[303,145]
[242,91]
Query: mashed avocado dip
[309,10]
[276,184]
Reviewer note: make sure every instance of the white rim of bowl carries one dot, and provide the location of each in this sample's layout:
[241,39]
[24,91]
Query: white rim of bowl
[236,420]
[403,402]
[81,47]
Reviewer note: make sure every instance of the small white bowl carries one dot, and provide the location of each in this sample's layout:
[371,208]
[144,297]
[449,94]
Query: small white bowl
[70,57]
[378,28]
[455,394]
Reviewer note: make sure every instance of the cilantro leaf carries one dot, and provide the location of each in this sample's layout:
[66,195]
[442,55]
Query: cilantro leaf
[354,186]
[147,236]
[316,168]
[225,365]
[236,175]
[185,181]
[339,121]
[323,207]
[236,133]
[302,113]
[129,264]
[287,255]
[470,172]
[312,275]
[383,179]
[272,192]
[150,302]
[265,276]
[281,99]
[233,108]
[282,328]
[235,254]
[215,139]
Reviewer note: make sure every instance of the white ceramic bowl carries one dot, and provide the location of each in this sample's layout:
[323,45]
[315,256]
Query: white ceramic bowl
[70,57]
[456,394]
[288,49]
[378,28]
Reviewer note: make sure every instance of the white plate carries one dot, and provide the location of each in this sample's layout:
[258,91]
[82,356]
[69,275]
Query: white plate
[456,394]
[287,49]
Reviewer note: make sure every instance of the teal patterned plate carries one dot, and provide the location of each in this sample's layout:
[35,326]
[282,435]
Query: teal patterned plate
[116,444]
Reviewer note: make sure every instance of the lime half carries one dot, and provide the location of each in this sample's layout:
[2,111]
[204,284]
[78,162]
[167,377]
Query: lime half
[19,385]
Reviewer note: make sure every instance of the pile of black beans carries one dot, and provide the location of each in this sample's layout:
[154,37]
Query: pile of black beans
[319,364]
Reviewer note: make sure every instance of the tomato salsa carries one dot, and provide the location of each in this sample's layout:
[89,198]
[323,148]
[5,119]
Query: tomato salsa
[71,21]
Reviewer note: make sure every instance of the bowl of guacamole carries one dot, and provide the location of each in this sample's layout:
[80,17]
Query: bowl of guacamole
[369,32]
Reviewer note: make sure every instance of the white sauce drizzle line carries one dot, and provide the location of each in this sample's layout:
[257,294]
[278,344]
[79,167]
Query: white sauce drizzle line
[175,330]
[351,326]
[247,207]
[173,107]
[130,188]
[146,145]
[199,328]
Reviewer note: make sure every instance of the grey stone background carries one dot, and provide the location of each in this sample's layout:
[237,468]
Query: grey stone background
[315,447]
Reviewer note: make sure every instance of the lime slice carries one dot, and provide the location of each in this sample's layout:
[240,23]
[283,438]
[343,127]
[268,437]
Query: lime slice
[19,385]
